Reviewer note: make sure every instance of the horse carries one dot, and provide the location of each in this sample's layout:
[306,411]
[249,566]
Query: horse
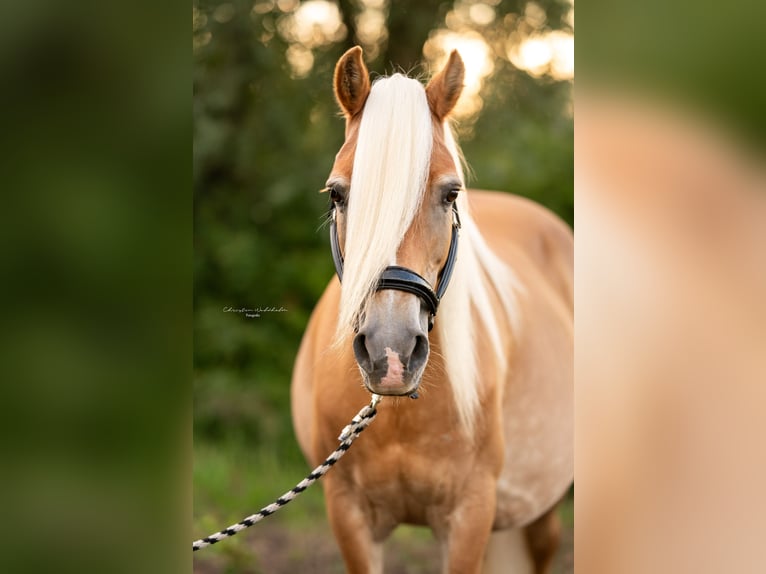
[460,298]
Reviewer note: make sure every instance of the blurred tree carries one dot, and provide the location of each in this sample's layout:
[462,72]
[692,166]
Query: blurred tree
[409,25]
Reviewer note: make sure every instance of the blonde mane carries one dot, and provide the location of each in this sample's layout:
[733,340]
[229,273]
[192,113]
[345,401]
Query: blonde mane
[388,182]
[479,275]
[393,155]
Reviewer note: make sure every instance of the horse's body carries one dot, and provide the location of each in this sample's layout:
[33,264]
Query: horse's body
[419,463]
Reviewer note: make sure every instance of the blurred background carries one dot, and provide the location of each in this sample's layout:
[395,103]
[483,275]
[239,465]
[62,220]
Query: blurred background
[266,129]
[670,276]
[98,270]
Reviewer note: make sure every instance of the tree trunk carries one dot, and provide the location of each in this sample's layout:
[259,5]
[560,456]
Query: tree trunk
[348,12]
[409,25]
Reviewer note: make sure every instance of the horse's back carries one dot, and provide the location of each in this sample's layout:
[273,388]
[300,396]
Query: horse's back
[537,399]
[524,233]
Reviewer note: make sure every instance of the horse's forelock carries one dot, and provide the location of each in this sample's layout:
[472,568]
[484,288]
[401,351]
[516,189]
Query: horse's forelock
[388,181]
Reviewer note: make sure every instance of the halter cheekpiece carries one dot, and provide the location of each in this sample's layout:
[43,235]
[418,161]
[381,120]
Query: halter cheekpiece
[403,279]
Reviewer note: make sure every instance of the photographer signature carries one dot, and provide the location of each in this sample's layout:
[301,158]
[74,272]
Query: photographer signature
[252,313]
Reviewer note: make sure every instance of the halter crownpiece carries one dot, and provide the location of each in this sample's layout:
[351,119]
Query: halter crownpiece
[403,279]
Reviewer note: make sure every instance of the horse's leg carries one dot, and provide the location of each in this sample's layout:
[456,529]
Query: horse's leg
[507,553]
[362,553]
[542,537]
[467,533]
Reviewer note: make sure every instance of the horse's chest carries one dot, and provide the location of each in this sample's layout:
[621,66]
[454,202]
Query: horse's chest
[408,484]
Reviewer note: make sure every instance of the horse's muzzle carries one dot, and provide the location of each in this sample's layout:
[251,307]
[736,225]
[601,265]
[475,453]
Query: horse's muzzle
[391,367]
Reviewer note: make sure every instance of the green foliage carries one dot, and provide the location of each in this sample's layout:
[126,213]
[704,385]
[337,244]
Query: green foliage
[523,142]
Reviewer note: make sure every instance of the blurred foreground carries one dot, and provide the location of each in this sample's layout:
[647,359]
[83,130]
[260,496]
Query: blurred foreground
[670,341]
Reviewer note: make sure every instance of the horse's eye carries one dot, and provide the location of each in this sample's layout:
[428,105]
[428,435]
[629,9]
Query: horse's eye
[451,195]
[335,195]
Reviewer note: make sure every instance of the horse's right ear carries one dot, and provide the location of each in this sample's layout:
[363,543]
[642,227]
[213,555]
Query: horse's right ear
[445,88]
[352,82]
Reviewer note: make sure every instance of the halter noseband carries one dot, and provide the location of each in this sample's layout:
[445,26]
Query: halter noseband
[403,279]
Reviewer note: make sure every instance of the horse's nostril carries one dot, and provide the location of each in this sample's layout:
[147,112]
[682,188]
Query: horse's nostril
[361,353]
[419,353]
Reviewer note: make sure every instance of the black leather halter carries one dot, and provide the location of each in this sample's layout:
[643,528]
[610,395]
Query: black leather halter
[403,279]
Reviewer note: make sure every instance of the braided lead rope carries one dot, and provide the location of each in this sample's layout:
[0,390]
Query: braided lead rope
[347,436]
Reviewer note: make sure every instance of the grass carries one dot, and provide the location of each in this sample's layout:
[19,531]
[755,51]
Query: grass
[234,479]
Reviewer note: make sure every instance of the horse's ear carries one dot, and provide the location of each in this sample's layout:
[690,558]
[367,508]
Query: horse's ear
[445,88]
[352,82]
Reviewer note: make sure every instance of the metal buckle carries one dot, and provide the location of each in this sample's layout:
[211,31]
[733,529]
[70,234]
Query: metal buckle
[455,217]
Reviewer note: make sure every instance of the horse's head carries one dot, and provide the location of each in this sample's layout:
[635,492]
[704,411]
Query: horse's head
[393,187]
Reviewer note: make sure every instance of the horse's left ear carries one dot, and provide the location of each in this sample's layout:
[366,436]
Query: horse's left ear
[445,88]
[351,82]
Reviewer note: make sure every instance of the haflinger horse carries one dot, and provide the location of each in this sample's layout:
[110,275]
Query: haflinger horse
[485,454]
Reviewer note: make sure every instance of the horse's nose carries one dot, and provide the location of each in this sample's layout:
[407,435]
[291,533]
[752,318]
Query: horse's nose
[390,360]
[362,353]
